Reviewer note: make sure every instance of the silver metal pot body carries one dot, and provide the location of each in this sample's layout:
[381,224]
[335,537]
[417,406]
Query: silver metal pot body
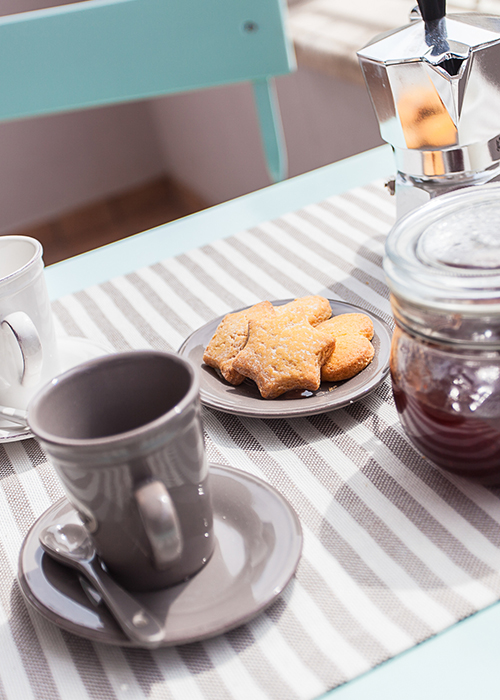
[435,88]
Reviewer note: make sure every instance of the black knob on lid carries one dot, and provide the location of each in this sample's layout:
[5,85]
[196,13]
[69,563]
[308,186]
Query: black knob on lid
[432,9]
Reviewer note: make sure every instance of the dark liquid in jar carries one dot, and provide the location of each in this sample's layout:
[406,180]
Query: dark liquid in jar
[449,405]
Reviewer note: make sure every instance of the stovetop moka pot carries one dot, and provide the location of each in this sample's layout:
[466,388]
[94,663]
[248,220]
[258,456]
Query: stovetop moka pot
[435,87]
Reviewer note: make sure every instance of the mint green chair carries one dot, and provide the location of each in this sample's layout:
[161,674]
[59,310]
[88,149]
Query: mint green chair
[100,52]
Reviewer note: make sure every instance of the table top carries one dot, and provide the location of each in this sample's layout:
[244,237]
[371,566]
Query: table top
[446,658]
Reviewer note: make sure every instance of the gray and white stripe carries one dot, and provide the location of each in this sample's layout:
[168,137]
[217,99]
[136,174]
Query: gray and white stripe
[394,550]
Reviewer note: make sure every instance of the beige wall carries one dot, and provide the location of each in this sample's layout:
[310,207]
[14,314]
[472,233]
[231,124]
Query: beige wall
[52,164]
[208,140]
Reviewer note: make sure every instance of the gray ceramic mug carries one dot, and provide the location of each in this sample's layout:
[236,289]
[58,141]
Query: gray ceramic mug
[124,434]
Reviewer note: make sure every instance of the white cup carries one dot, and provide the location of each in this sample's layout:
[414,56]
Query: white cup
[28,347]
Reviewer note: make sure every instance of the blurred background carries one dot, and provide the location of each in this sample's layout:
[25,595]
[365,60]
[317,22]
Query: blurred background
[80,180]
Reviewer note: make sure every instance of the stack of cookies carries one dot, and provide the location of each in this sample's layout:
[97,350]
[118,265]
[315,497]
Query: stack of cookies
[293,346]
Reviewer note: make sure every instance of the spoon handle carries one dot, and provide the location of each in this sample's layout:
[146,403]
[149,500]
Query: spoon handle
[14,415]
[137,623]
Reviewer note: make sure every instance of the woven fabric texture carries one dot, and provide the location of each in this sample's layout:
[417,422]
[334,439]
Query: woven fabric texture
[394,550]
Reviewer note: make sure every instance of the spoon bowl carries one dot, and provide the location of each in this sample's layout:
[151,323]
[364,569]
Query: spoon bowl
[71,545]
[69,540]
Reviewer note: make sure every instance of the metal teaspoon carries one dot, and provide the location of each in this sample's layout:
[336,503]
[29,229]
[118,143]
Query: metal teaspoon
[70,545]
[14,415]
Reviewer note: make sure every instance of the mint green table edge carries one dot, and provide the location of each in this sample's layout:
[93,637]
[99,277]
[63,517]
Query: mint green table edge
[217,222]
[461,662]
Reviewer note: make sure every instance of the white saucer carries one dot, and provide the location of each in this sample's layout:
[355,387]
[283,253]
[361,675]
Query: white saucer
[259,542]
[73,351]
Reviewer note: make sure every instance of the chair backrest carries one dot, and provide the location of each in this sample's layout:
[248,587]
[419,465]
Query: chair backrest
[99,52]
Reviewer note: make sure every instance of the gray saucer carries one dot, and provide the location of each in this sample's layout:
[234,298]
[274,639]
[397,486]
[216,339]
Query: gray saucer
[259,542]
[245,399]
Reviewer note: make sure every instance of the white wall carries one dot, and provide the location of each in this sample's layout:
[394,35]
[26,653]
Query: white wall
[210,140]
[52,164]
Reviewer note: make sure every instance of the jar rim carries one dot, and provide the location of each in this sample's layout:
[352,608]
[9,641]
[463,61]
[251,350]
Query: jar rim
[446,254]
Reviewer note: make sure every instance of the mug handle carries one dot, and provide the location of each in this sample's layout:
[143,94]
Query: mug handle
[30,346]
[161,523]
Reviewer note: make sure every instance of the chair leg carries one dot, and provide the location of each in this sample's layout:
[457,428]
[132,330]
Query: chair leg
[271,128]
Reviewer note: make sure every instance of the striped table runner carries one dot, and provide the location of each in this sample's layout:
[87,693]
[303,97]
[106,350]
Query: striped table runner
[394,550]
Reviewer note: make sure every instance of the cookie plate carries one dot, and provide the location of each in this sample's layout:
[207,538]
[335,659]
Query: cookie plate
[245,399]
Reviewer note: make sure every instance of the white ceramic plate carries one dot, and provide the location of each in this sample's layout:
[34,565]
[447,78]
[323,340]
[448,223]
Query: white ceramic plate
[73,351]
[245,399]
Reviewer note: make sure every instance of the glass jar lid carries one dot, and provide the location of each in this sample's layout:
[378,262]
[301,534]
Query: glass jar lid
[445,255]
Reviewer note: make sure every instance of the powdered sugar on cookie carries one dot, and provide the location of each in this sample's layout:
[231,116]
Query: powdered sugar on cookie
[290,346]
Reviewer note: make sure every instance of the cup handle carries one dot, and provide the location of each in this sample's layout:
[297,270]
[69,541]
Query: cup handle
[30,346]
[161,523]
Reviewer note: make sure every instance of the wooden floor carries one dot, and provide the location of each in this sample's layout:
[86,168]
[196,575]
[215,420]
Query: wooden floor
[111,219]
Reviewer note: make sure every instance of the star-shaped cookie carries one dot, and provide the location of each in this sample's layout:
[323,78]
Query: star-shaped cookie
[230,337]
[283,353]
[313,308]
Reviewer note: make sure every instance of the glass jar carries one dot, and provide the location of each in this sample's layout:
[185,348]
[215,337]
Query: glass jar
[442,265]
